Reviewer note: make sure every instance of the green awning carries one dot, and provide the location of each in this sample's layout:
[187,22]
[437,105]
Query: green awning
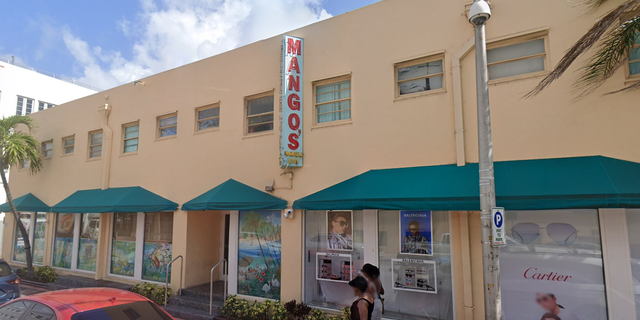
[26,203]
[563,183]
[128,199]
[233,195]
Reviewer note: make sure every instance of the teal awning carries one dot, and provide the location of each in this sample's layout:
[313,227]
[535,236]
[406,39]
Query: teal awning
[564,183]
[128,199]
[233,195]
[26,203]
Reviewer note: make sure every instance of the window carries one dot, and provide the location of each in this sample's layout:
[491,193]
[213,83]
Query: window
[26,310]
[35,224]
[40,106]
[130,135]
[168,125]
[256,268]
[333,100]
[634,58]
[22,101]
[47,149]
[515,59]
[63,240]
[259,113]
[68,145]
[88,242]
[419,75]
[44,105]
[208,117]
[24,164]
[29,108]
[158,236]
[132,310]
[95,144]
[123,247]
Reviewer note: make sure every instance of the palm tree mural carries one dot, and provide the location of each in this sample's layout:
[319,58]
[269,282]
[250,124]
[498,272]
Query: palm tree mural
[251,224]
[16,148]
[615,35]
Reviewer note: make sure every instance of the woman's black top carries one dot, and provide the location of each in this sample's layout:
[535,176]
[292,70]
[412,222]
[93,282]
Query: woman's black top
[355,312]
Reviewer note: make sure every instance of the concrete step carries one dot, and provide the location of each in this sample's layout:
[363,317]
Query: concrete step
[189,314]
[195,303]
[202,294]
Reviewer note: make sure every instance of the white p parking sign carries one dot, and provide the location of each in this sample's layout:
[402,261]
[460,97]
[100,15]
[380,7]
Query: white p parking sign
[498,238]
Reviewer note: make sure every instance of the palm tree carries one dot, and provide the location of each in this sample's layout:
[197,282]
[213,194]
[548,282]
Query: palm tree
[17,147]
[614,35]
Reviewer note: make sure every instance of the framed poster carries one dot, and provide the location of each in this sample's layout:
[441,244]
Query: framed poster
[340,230]
[414,275]
[415,233]
[336,267]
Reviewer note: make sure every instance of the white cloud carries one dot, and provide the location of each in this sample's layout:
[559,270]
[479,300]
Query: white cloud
[170,33]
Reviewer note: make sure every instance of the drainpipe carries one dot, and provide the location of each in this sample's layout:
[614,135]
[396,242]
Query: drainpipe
[457,99]
[467,281]
[107,142]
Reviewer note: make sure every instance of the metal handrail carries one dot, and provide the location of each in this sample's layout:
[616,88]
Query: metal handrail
[166,278]
[224,297]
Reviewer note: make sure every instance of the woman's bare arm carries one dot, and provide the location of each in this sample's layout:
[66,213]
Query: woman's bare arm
[363,309]
[379,285]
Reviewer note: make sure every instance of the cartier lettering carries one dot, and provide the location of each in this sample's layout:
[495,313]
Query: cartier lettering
[534,274]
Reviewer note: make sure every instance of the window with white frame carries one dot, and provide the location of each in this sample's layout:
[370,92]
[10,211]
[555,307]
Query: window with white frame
[130,133]
[419,75]
[24,164]
[44,105]
[511,58]
[63,240]
[333,100]
[47,149]
[259,112]
[29,107]
[35,224]
[167,125]
[68,145]
[24,105]
[75,243]
[95,144]
[208,117]
[634,58]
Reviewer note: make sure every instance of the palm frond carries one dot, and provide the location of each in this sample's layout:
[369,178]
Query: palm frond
[594,3]
[10,123]
[610,21]
[612,53]
[20,147]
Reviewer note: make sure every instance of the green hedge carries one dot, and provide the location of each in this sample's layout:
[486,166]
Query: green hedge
[41,274]
[151,291]
[235,308]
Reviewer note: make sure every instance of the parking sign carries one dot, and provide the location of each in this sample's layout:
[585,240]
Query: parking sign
[498,238]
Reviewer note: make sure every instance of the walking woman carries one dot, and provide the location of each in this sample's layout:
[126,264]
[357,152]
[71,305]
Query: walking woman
[362,308]
[375,289]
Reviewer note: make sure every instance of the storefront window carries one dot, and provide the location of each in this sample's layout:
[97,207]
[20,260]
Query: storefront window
[633,225]
[158,235]
[415,264]
[38,237]
[552,266]
[334,253]
[63,241]
[88,243]
[259,253]
[19,253]
[123,249]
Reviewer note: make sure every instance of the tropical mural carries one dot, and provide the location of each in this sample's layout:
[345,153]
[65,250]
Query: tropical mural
[62,252]
[123,257]
[87,249]
[38,238]
[259,254]
[156,258]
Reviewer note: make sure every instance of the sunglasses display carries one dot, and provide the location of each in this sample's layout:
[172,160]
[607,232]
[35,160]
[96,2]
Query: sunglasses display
[561,233]
[342,223]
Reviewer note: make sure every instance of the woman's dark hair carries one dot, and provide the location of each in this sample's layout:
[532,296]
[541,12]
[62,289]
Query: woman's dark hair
[360,283]
[549,315]
[553,296]
[414,223]
[371,270]
[340,215]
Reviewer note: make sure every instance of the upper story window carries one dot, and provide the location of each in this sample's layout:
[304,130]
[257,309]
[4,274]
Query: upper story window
[167,125]
[29,107]
[208,117]
[333,99]
[130,137]
[24,105]
[259,110]
[47,149]
[68,145]
[44,105]
[634,58]
[420,75]
[95,144]
[24,164]
[515,57]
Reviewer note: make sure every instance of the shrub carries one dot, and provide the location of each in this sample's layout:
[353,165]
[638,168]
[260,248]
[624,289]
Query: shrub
[346,313]
[151,291]
[43,274]
[296,311]
[235,308]
[316,314]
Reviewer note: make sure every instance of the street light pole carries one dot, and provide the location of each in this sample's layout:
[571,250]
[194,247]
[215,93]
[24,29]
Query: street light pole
[478,15]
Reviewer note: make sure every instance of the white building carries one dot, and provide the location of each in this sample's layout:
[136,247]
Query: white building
[25,90]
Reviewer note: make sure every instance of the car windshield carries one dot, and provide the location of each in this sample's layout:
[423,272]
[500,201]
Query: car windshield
[5,270]
[142,310]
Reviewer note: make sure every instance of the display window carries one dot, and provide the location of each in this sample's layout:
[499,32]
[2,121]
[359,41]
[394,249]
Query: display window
[63,240]
[88,242]
[75,242]
[35,224]
[158,236]
[123,247]
[633,225]
[259,253]
[552,266]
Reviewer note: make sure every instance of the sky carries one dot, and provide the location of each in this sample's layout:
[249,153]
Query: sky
[108,43]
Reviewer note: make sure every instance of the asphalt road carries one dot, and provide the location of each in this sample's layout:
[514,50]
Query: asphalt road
[26,290]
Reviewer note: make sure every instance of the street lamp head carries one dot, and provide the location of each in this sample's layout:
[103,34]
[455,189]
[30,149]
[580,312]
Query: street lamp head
[479,13]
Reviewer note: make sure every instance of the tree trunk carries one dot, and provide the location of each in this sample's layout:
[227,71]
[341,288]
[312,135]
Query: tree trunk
[260,244]
[23,231]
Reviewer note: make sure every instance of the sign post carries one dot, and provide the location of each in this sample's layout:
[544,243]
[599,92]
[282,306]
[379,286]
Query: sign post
[498,236]
[291,115]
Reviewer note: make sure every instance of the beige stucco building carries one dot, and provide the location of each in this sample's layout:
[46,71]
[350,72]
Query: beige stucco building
[391,85]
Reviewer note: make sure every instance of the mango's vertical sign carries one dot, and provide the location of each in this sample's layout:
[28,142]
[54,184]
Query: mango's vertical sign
[291,115]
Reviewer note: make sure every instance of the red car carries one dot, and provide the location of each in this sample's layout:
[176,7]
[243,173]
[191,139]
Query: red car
[84,304]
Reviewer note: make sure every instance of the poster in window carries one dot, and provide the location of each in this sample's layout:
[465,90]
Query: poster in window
[259,253]
[415,232]
[156,258]
[340,230]
[552,269]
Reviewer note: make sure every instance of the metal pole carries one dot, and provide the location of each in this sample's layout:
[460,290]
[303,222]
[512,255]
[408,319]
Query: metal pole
[490,262]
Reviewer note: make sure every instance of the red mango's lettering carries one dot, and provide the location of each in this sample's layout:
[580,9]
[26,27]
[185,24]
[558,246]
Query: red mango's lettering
[294,121]
[294,65]
[293,141]
[294,83]
[293,104]
[294,46]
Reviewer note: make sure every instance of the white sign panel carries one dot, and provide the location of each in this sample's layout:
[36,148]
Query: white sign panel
[498,236]
[291,115]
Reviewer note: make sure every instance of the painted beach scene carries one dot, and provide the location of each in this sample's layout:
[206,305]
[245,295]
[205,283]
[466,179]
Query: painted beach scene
[259,254]
[123,257]
[156,258]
